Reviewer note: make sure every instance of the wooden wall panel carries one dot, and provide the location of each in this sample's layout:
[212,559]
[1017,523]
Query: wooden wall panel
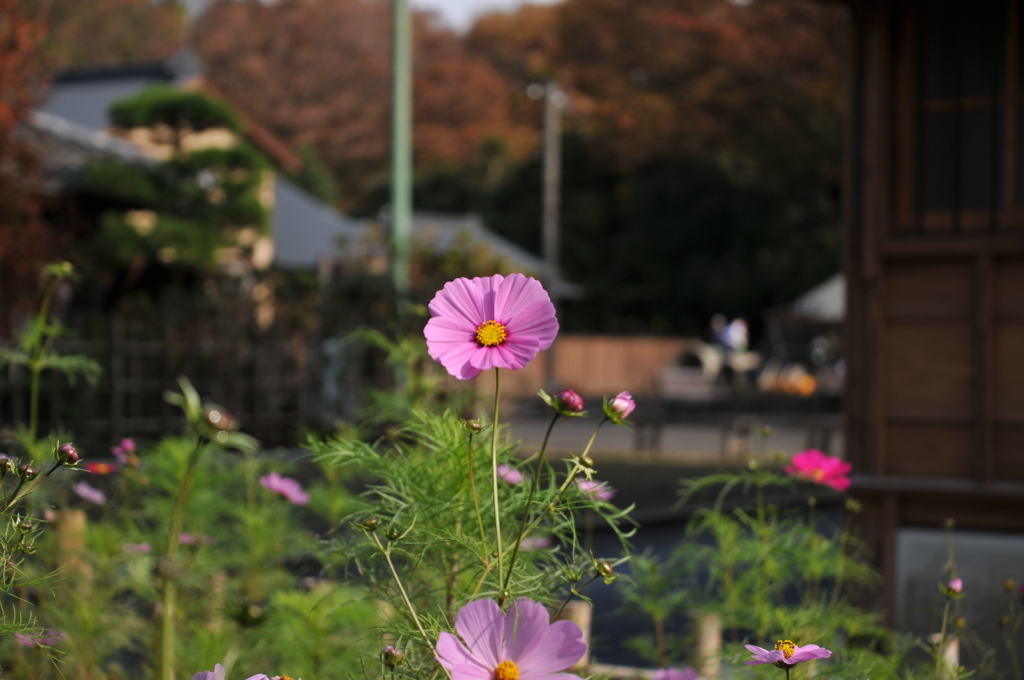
[916,289]
[930,369]
[1008,370]
[1008,284]
[929,450]
[1009,451]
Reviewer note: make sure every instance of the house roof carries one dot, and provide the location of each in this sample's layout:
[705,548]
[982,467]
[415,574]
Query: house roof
[66,147]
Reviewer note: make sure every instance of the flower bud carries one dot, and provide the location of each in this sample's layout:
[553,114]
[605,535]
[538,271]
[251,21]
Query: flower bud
[392,657]
[392,534]
[219,419]
[960,622]
[587,460]
[25,526]
[474,425]
[368,523]
[956,585]
[27,471]
[67,454]
[569,400]
[619,408]
[7,465]
[1009,585]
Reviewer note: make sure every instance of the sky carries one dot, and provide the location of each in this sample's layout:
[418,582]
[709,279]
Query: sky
[459,14]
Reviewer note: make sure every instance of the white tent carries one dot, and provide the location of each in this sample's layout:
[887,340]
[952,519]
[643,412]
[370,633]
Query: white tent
[825,303]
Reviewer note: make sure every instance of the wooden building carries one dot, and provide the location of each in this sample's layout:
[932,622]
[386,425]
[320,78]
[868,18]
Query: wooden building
[935,266]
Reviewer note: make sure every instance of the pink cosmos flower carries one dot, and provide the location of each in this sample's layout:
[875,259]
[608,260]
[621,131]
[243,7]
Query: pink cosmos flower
[185,538]
[534,543]
[89,493]
[285,487]
[47,638]
[137,548]
[123,450]
[510,474]
[520,645]
[622,405]
[785,653]
[817,467]
[597,490]
[956,585]
[675,674]
[218,674]
[489,322]
[101,468]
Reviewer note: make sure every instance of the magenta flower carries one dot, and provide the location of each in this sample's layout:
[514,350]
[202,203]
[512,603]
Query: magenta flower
[123,450]
[510,475]
[599,491]
[956,585]
[47,638]
[570,400]
[285,487]
[89,493]
[785,654]
[520,645]
[675,674]
[821,469]
[489,322]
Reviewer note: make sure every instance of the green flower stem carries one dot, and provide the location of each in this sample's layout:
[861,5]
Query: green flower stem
[386,552]
[534,483]
[573,590]
[942,639]
[472,487]
[787,672]
[169,587]
[494,481]
[39,353]
[568,480]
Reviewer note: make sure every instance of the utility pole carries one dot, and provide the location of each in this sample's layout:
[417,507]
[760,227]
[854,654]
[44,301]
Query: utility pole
[401,147]
[554,102]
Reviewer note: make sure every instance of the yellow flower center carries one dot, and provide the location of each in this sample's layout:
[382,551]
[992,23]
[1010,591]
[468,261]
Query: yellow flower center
[506,670]
[786,646]
[490,334]
[818,475]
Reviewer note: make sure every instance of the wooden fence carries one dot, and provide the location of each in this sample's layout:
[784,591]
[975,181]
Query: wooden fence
[263,378]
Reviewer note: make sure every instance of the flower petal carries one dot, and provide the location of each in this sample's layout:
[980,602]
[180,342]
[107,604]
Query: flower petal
[483,358]
[537,321]
[515,353]
[459,299]
[558,648]
[455,359]
[525,624]
[452,654]
[480,625]
[808,652]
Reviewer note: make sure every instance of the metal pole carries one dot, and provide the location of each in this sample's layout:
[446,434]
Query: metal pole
[554,100]
[401,146]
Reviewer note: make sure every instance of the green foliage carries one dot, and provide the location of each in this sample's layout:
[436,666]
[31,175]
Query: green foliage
[179,109]
[427,513]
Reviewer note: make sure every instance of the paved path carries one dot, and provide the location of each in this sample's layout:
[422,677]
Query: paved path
[698,444]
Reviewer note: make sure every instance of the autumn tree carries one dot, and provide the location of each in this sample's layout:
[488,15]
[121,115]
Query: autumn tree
[108,32]
[316,72]
[25,243]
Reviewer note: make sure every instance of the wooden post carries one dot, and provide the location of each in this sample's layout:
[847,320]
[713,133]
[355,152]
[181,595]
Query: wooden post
[709,645]
[581,613]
